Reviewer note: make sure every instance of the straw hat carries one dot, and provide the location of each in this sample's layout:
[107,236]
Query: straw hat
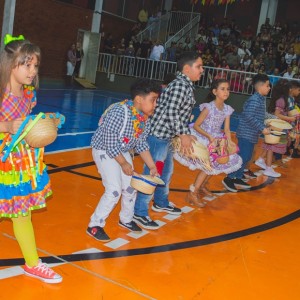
[200,152]
[43,131]
[278,124]
[145,183]
[273,137]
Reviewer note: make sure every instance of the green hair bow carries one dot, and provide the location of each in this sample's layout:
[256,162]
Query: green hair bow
[9,38]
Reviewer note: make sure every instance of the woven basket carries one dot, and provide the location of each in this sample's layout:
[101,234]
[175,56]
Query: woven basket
[44,132]
[145,183]
[273,137]
[199,154]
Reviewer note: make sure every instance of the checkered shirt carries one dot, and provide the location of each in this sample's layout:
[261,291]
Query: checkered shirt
[174,109]
[109,137]
[251,122]
[291,103]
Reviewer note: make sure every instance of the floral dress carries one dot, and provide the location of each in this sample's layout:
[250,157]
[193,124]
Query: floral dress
[24,182]
[212,125]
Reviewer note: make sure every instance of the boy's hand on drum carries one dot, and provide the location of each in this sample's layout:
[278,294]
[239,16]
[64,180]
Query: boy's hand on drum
[13,126]
[127,168]
[187,143]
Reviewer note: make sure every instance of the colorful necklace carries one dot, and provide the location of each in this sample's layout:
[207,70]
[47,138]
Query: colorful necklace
[138,118]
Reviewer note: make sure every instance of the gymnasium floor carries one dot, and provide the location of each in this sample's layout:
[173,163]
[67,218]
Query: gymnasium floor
[240,246]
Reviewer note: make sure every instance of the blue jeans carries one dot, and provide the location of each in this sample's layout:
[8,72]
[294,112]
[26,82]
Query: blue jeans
[160,150]
[246,152]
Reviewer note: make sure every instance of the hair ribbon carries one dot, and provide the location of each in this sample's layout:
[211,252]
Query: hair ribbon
[9,38]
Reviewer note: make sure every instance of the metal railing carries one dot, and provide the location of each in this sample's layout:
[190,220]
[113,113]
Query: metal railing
[190,29]
[240,81]
[157,30]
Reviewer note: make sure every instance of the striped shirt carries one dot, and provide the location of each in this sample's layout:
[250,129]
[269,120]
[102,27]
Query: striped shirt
[116,137]
[174,109]
[251,122]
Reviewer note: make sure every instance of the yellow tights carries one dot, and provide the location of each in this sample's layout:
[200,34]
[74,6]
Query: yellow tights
[24,234]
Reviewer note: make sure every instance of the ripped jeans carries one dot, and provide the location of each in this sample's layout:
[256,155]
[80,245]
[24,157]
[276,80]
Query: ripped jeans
[116,184]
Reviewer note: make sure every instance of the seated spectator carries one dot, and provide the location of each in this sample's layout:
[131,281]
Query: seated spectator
[289,73]
[290,55]
[269,62]
[233,59]
[146,46]
[157,51]
[216,30]
[171,52]
[282,66]
[242,50]
[294,66]
[274,77]
[187,45]
[246,61]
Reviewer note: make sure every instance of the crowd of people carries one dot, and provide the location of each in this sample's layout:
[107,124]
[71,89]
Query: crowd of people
[275,50]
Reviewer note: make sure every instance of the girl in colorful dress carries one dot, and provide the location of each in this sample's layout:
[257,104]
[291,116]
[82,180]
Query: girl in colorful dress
[24,182]
[279,107]
[207,129]
[123,128]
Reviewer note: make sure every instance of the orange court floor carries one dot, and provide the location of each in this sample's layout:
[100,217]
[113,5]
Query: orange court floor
[241,246]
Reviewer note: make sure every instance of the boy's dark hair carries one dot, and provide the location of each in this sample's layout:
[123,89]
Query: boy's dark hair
[294,84]
[187,58]
[260,78]
[169,78]
[144,87]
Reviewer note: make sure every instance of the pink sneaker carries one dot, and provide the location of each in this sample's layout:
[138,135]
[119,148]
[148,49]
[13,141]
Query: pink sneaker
[42,272]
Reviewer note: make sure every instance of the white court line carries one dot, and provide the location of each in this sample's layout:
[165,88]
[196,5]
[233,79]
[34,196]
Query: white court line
[88,271]
[76,133]
[16,271]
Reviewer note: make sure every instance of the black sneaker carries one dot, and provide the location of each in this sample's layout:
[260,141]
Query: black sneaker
[98,233]
[240,183]
[249,174]
[229,184]
[171,209]
[131,226]
[146,222]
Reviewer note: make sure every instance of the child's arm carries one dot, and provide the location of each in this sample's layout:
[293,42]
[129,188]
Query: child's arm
[11,126]
[227,128]
[282,117]
[198,123]
[148,160]
[125,165]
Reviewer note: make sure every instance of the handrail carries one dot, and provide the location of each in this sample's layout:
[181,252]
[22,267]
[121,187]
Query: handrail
[240,81]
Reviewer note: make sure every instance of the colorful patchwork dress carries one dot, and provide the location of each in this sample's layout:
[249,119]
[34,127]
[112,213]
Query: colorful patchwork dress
[24,182]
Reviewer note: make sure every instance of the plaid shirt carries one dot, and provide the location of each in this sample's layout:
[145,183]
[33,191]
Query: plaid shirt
[291,103]
[174,109]
[251,122]
[109,137]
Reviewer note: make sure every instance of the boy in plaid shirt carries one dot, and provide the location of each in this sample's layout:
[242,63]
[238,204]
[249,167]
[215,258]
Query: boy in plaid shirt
[123,127]
[170,119]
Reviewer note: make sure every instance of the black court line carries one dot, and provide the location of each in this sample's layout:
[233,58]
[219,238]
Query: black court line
[162,248]
[70,169]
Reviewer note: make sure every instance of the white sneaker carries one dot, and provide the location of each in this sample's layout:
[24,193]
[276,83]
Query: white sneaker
[261,163]
[271,173]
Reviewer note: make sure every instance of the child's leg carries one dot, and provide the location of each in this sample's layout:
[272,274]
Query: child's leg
[24,234]
[269,158]
[110,172]
[128,196]
[193,195]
